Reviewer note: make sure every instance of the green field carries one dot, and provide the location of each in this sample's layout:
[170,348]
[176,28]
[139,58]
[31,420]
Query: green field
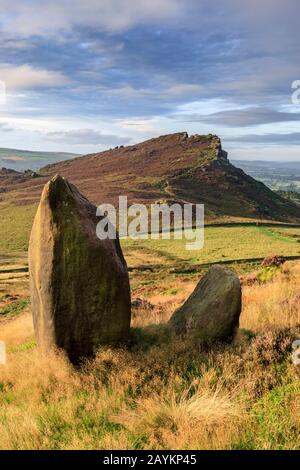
[222,244]
[158,265]
[227,243]
[15,227]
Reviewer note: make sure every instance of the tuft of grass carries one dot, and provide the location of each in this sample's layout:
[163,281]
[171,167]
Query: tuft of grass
[175,420]
[14,308]
[26,346]
[275,423]
[268,273]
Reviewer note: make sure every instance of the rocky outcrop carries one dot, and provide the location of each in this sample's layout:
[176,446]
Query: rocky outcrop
[79,284]
[212,311]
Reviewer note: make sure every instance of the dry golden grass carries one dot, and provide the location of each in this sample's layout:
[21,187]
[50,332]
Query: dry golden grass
[177,420]
[161,392]
[164,305]
[275,304]
[47,404]
[17,330]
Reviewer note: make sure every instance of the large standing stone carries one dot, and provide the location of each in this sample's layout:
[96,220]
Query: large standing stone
[212,311]
[79,284]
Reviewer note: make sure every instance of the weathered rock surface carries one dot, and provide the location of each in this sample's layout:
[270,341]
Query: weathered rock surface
[79,284]
[212,311]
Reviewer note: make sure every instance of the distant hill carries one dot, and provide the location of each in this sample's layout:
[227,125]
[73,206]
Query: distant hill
[170,168]
[292,195]
[282,176]
[23,159]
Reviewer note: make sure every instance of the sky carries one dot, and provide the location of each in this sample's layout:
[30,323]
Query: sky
[82,77]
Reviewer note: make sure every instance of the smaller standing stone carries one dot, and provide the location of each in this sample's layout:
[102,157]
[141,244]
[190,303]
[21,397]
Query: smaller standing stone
[212,311]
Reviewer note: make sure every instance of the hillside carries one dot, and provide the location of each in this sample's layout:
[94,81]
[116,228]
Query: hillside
[169,168]
[20,160]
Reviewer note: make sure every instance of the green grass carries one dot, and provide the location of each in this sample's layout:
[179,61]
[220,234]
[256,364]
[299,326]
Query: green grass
[277,235]
[222,243]
[26,346]
[140,398]
[274,421]
[14,308]
[153,261]
[159,262]
[15,227]
[268,273]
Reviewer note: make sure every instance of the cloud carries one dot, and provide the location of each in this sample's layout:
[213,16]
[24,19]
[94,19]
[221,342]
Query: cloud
[87,136]
[165,90]
[16,44]
[60,16]
[5,127]
[241,117]
[292,138]
[158,54]
[120,60]
[27,77]
[184,89]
